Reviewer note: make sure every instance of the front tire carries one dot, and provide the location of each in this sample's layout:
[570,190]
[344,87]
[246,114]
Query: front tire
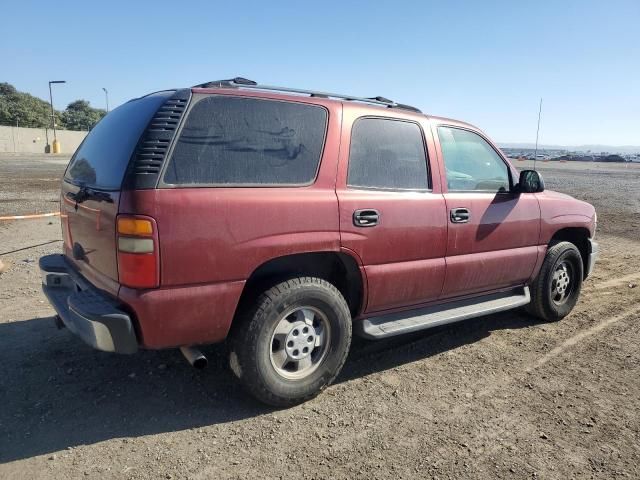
[292,342]
[556,289]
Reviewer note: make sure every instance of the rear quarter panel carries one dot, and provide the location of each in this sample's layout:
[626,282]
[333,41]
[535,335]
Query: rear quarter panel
[223,234]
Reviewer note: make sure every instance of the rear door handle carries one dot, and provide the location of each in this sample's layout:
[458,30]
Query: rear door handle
[460,215]
[367,217]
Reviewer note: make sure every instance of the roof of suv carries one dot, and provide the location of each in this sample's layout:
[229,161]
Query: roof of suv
[239,84]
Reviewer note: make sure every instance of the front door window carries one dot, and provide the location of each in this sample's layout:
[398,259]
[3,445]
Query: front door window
[471,163]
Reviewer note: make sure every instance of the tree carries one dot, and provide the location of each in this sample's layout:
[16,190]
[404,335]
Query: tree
[79,115]
[30,111]
[7,89]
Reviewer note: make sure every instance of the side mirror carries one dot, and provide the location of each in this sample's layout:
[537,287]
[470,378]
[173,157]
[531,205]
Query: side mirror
[530,182]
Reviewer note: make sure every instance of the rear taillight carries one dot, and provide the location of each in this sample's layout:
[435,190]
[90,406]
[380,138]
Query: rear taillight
[138,255]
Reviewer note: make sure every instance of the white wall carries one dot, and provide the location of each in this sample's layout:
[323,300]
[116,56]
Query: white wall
[34,140]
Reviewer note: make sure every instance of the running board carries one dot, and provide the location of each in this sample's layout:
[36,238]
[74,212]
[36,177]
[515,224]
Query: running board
[411,321]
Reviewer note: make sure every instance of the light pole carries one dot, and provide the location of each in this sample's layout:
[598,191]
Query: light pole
[17,133]
[55,148]
[14,133]
[106,96]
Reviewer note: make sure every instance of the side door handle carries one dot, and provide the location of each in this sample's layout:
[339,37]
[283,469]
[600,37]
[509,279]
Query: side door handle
[460,215]
[367,217]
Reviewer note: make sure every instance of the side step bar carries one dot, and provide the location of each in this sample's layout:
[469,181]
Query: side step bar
[392,324]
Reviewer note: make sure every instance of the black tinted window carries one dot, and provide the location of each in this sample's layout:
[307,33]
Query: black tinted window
[247,141]
[470,162]
[102,159]
[387,154]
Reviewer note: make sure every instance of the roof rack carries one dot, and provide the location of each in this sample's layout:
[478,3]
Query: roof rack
[240,82]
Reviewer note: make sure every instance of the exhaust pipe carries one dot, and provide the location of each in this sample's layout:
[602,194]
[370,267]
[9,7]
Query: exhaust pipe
[195,357]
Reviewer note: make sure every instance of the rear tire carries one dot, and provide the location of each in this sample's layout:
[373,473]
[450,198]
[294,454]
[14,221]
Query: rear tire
[291,343]
[556,289]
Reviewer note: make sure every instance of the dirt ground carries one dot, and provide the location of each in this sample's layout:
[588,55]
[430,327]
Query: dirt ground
[497,397]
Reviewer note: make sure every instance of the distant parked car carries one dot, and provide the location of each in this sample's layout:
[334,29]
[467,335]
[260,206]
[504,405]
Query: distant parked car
[280,220]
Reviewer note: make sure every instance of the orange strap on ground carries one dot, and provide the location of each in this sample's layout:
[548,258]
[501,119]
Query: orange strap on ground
[24,217]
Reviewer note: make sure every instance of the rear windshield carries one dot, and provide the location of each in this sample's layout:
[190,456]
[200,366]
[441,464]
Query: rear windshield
[103,157]
[248,141]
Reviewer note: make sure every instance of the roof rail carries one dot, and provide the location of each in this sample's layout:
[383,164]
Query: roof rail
[240,82]
[231,82]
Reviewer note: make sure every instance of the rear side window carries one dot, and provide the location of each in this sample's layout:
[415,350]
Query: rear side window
[387,154]
[102,159]
[248,141]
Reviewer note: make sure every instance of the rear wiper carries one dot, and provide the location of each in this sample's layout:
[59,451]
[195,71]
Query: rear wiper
[86,193]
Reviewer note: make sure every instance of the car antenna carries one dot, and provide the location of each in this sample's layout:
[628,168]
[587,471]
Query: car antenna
[535,155]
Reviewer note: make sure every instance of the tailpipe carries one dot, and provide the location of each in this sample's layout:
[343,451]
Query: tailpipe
[195,357]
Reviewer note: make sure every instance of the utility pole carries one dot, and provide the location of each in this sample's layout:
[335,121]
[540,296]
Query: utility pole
[106,96]
[55,148]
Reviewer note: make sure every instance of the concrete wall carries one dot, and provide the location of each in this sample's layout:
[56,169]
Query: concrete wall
[34,140]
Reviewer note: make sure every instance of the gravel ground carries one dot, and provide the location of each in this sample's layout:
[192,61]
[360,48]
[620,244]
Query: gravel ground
[496,397]
[30,183]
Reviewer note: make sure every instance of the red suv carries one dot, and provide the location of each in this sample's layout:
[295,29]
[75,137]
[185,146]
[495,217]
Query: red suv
[281,219]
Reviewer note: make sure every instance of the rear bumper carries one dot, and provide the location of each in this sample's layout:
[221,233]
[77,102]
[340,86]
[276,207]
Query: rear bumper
[86,311]
[594,251]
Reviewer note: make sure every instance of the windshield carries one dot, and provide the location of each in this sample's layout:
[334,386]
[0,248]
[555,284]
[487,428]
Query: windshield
[102,159]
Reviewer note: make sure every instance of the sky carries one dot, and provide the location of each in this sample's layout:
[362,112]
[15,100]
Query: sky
[484,62]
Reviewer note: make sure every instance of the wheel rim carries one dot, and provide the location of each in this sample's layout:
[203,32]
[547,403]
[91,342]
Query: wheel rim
[300,342]
[562,283]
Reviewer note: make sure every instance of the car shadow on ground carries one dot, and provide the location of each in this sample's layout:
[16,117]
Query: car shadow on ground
[58,393]
[367,357]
